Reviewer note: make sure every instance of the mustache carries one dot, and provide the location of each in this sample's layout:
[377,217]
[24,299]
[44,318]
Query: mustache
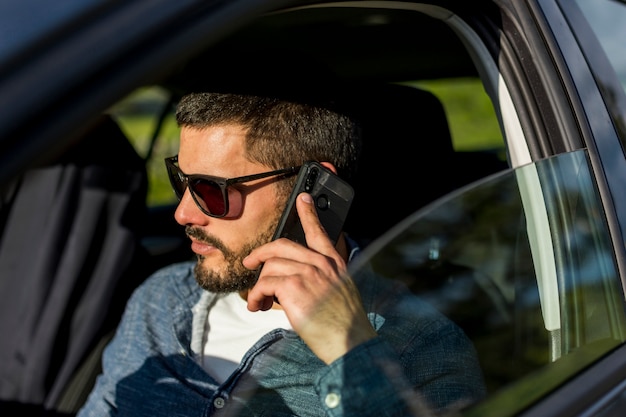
[203,237]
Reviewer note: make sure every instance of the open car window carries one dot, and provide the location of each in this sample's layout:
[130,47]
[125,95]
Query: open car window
[522,262]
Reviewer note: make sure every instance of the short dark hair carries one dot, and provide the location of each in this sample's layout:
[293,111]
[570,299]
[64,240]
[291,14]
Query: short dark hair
[280,133]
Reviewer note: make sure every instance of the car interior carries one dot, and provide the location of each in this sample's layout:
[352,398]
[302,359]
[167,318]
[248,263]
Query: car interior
[409,159]
[84,212]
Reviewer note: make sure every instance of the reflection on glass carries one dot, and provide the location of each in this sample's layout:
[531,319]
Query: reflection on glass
[607,18]
[522,262]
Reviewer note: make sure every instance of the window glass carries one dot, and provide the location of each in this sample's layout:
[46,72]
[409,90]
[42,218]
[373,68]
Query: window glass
[522,262]
[606,18]
[471,116]
[147,118]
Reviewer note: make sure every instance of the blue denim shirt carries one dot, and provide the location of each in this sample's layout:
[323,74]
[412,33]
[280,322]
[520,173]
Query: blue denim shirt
[150,368]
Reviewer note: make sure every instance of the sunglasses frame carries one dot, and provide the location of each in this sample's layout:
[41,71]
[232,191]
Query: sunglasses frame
[173,169]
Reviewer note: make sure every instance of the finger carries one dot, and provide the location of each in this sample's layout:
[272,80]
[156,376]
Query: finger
[300,270]
[298,287]
[316,237]
[260,301]
[279,278]
[280,248]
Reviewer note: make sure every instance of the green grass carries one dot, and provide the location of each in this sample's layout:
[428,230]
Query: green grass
[472,119]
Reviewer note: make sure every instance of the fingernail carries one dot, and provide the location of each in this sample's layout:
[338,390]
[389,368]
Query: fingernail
[307,198]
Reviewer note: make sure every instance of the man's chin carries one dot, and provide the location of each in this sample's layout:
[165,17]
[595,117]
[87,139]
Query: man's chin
[223,281]
[209,266]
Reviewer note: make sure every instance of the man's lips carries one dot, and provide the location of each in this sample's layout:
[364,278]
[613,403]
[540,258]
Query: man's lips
[201,248]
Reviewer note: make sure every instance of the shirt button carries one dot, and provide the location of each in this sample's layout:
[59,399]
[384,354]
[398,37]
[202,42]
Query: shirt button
[219,402]
[332,400]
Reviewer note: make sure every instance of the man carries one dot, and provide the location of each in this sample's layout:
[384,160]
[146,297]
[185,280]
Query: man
[208,338]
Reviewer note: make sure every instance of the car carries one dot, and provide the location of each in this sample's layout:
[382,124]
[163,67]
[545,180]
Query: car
[491,184]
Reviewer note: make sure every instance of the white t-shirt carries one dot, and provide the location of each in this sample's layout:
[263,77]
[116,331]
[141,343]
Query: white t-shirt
[231,330]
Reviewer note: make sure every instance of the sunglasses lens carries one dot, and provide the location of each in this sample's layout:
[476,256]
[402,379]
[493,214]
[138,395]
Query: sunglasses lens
[209,196]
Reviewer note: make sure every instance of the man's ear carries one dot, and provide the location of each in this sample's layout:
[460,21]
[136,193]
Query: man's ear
[329,166]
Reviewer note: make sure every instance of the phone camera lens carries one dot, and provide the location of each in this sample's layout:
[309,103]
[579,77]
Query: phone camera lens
[310,179]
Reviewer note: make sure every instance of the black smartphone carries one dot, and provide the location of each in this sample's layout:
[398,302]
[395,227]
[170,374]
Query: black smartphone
[332,197]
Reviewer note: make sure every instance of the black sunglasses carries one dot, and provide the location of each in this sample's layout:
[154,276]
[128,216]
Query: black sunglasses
[214,195]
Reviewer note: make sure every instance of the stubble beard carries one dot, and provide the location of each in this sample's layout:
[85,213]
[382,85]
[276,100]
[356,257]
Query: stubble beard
[233,276]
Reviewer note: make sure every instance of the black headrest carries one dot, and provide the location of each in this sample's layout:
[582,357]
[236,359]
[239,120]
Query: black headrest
[407,149]
[103,144]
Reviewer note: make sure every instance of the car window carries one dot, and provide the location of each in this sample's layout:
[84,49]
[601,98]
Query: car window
[473,123]
[599,28]
[147,118]
[522,262]
[606,18]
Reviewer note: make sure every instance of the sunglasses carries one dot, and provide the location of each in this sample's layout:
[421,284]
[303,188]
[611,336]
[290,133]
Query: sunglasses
[215,196]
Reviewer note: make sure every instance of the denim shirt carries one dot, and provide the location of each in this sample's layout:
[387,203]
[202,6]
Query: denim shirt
[419,359]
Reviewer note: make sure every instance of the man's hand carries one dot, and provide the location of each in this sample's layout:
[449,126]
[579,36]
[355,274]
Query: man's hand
[313,287]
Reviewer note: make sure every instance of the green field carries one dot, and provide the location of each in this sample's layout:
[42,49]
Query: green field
[473,123]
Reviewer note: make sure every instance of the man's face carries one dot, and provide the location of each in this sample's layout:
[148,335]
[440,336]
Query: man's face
[222,243]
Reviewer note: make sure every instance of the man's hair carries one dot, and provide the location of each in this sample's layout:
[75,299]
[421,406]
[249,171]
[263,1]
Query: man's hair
[280,133]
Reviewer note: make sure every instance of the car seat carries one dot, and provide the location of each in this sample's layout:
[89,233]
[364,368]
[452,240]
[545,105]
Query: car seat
[70,256]
[407,159]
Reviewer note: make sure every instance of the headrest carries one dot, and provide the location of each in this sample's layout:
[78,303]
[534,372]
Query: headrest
[407,149]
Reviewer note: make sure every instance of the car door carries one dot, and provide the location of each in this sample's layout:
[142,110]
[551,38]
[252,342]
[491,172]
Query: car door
[550,335]
[522,262]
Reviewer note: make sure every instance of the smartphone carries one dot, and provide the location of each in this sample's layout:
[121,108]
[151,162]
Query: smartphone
[332,198]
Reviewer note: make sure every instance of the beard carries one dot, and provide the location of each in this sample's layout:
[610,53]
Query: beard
[233,276]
